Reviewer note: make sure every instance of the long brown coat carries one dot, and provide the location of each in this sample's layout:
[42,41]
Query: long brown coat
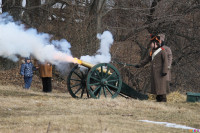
[45,70]
[169,57]
[158,65]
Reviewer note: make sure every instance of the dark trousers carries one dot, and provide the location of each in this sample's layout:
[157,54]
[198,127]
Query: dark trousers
[161,98]
[46,82]
[27,82]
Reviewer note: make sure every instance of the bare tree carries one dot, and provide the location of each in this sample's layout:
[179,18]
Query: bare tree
[131,22]
[178,20]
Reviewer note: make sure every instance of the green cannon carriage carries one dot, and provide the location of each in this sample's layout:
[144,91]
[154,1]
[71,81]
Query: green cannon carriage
[98,80]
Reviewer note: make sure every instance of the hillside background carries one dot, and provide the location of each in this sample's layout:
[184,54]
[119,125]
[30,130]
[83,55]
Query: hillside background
[130,22]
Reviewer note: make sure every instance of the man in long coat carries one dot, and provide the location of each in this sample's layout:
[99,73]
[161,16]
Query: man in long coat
[169,57]
[46,75]
[159,64]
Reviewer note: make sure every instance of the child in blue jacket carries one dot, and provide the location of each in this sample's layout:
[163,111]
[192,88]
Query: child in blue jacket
[26,70]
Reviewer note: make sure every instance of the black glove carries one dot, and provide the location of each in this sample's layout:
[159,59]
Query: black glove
[137,66]
[163,74]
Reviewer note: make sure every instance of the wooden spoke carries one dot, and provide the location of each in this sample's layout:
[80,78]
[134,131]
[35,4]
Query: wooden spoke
[108,90]
[101,80]
[76,83]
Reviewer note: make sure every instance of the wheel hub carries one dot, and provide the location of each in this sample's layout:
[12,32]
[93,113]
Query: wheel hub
[104,82]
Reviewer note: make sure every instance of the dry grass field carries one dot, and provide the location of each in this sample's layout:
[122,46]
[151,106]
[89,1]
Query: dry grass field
[32,111]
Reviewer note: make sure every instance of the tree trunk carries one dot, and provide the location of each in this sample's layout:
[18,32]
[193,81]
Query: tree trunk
[96,11]
[95,24]
[7,4]
[13,8]
[34,13]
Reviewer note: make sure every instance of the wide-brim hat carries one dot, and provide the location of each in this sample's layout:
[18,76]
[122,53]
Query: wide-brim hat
[155,38]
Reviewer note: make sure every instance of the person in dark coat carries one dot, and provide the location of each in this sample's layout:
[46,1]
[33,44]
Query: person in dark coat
[159,64]
[46,75]
[26,71]
[169,57]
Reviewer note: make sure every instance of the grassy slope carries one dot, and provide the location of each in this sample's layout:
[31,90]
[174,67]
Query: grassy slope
[34,111]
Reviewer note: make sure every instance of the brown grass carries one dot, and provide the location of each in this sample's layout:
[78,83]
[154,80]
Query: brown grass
[172,97]
[33,111]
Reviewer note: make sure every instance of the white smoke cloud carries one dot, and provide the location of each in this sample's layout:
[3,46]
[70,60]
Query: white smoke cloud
[103,54]
[16,40]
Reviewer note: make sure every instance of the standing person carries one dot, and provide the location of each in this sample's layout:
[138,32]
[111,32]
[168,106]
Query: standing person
[169,57]
[46,75]
[158,59]
[26,71]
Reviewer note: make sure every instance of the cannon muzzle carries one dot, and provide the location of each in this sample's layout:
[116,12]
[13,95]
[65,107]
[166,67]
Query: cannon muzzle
[83,63]
[89,65]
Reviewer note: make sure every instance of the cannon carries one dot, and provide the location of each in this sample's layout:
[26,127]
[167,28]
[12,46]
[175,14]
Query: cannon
[98,80]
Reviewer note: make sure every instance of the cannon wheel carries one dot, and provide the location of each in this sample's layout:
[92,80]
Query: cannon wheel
[76,83]
[108,82]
